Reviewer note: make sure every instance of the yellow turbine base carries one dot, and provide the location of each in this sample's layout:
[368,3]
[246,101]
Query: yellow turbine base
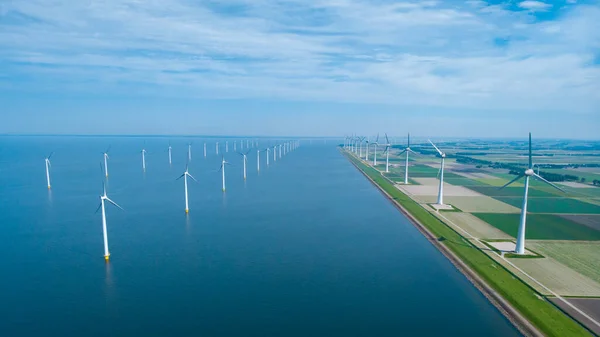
[223,190]
[106,257]
[48,186]
[187,211]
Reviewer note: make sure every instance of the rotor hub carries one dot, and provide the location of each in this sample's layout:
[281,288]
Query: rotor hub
[529,172]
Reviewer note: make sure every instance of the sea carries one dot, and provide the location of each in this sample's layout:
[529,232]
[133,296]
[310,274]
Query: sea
[304,247]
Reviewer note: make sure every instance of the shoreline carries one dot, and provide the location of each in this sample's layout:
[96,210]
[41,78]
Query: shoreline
[513,315]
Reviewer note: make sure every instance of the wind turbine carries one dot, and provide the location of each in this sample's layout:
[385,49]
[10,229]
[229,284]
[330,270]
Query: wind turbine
[244,155]
[257,160]
[367,150]
[440,200]
[189,152]
[185,184]
[274,153]
[144,159]
[204,149]
[170,156]
[520,247]
[268,150]
[226,146]
[407,150]
[217,147]
[387,154]
[234,145]
[47,160]
[104,198]
[105,154]
[222,169]
[375,144]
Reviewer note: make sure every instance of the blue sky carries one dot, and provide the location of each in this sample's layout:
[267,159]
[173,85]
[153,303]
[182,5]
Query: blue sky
[298,67]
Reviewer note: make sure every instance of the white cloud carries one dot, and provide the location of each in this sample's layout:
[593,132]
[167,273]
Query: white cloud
[333,50]
[534,5]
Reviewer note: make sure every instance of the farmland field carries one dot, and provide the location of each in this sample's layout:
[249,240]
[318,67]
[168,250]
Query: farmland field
[541,226]
[553,205]
[582,257]
[481,204]
[475,226]
[592,221]
[510,191]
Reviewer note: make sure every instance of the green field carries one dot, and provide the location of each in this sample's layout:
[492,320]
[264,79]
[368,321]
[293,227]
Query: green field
[553,205]
[582,257]
[463,181]
[541,313]
[510,191]
[541,226]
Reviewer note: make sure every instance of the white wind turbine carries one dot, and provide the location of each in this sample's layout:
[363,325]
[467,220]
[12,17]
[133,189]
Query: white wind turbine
[47,160]
[245,159]
[204,149]
[520,247]
[279,151]
[367,150]
[217,147]
[185,185]
[257,160]
[226,146]
[189,152]
[170,155]
[222,169]
[274,153]
[105,155]
[268,152]
[407,150]
[104,198]
[440,200]
[144,159]
[388,146]
[234,146]
[375,144]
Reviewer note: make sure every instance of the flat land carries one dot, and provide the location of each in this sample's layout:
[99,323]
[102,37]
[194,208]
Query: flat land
[581,256]
[427,188]
[558,277]
[553,205]
[591,306]
[481,204]
[541,226]
[592,221]
[575,185]
[510,191]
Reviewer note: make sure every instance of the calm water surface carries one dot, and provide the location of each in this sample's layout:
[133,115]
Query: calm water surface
[305,248]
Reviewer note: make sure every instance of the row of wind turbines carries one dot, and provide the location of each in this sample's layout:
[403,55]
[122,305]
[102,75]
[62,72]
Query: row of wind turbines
[278,150]
[354,144]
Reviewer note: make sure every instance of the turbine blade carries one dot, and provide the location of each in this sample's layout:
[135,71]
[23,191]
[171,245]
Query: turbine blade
[108,149]
[97,209]
[114,203]
[181,176]
[50,156]
[411,151]
[549,183]
[387,141]
[408,139]
[438,150]
[189,175]
[402,151]
[530,159]
[512,181]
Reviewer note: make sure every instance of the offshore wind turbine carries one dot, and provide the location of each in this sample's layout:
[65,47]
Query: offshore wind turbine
[234,145]
[528,173]
[105,155]
[388,146]
[47,160]
[274,153]
[245,159]
[440,200]
[185,186]
[222,169]
[217,147]
[267,149]
[367,150]
[204,149]
[257,160]
[226,146]
[407,150]
[144,159]
[189,152]
[103,199]
[170,157]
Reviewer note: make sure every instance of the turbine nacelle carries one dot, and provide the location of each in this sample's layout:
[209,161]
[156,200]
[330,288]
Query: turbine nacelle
[529,172]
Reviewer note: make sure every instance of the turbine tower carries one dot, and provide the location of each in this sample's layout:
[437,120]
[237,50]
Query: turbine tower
[47,160]
[235,145]
[258,160]
[245,159]
[105,154]
[226,146]
[170,157]
[375,144]
[217,147]
[222,169]
[204,149]
[144,159]
[407,150]
[388,146]
[189,152]
[268,151]
[440,200]
[104,198]
[185,186]
[520,247]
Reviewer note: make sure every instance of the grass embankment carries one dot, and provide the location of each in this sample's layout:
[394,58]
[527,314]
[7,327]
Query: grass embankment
[541,313]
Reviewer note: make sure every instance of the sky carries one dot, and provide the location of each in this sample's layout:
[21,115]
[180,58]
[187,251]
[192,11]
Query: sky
[300,67]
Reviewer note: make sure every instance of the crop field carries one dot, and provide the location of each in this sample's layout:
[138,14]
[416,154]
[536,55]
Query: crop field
[583,257]
[481,204]
[553,205]
[475,226]
[592,221]
[464,181]
[541,226]
[510,191]
[558,277]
